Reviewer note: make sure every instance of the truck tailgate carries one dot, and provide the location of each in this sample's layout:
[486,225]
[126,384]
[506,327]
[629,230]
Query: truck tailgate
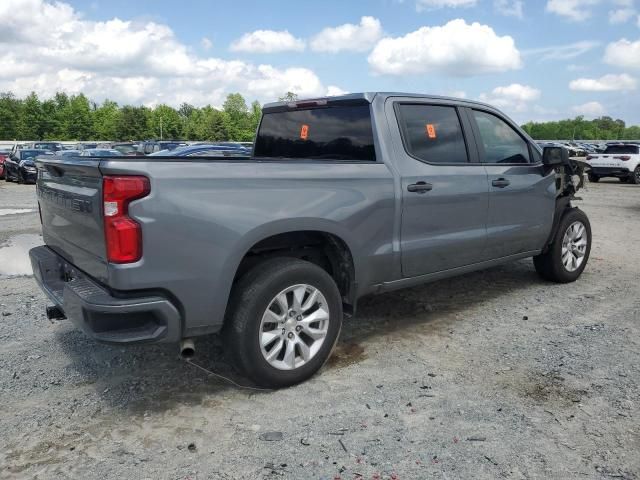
[70,199]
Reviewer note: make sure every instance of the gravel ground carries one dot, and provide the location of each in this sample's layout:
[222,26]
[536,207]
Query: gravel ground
[493,374]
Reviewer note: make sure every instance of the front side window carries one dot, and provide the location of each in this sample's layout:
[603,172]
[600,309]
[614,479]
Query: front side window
[432,133]
[501,142]
[329,133]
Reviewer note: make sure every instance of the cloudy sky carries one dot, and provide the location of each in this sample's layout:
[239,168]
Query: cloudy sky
[535,59]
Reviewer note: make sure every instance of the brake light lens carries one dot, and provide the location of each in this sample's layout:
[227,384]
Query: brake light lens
[123,234]
[624,158]
[590,157]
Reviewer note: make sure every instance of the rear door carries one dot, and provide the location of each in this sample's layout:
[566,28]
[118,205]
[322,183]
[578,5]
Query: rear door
[70,200]
[521,195]
[444,187]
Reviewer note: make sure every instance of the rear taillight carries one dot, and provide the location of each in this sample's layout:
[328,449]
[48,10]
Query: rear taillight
[590,157]
[624,158]
[123,234]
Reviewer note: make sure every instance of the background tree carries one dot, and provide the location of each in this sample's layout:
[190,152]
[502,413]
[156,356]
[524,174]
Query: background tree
[166,122]
[75,117]
[105,120]
[78,119]
[30,118]
[10,108]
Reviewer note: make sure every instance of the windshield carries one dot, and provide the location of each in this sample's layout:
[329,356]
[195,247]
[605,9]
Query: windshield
[332,133]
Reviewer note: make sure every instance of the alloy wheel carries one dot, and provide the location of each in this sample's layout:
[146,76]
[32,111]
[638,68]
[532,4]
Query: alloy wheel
[294,327]
[574,246]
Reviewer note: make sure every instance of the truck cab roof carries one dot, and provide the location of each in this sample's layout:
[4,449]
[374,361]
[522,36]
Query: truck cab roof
[363,97]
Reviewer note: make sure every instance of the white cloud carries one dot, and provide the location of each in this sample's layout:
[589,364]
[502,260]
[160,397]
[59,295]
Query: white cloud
[333,91]
[563,52]
[589,109]
[49,47]
[512,98]
[349,37]
[509,8]
[607,83]
[268,41]
[621,15]
[206,43]
[435,4]
[623,53]
[456,48]
[574,10]
[457,94]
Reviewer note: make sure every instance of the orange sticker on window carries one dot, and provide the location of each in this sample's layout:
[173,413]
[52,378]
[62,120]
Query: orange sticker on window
[431,130]
[304,132]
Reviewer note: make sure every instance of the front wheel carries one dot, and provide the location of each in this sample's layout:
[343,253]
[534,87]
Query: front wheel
[567,256]
[284,319]
[593,177]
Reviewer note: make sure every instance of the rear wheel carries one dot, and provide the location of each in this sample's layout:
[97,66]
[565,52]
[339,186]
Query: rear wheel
[635,176]
[593,177]
[284,320]
[567,256]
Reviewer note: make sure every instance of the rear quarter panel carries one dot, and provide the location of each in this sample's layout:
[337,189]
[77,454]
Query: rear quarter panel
[202,217]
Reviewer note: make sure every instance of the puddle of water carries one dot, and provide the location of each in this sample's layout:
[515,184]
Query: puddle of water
[14,254]
[15,211]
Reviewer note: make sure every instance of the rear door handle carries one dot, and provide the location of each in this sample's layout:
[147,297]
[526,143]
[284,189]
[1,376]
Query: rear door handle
[420,187]
[501,183]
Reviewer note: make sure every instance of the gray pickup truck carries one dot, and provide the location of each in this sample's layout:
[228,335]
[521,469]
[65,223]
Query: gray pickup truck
[342,197]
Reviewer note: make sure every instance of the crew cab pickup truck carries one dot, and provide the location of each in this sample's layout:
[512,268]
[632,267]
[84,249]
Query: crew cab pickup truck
[342,197]
[621,161]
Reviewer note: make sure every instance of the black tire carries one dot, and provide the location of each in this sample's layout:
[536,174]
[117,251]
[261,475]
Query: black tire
[7,177]
[251,297]
[549,265]
[20,179]
[593,178]
[635,176]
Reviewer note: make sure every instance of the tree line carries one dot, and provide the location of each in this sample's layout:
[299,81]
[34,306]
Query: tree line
[75,117]
[603,128]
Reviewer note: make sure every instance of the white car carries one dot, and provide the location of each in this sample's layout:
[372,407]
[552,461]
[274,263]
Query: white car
[620,160]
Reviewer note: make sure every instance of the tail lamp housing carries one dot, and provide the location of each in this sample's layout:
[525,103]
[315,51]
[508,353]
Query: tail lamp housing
[123,235]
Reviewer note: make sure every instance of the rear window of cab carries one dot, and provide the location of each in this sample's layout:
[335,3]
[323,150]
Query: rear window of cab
[329,133]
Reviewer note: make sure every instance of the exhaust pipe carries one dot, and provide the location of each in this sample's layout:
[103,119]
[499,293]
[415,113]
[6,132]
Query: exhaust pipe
[187,349]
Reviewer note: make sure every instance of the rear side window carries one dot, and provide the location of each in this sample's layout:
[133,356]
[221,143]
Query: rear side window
[617,149]
[501,142]
[432,133]
[332,133]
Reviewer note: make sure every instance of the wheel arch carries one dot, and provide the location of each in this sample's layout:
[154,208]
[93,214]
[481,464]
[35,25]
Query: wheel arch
[321,242]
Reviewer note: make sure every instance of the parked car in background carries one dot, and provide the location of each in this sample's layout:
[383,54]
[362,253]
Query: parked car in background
[100,152]
[20,166]
[85,146]
[52,146]
[69,153]
[152,146]
[4,153]
[343,197]
[125,148]
[219,151]
[620,160]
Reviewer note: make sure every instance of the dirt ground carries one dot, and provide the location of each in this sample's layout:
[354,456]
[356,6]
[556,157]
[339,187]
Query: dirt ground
[495,374]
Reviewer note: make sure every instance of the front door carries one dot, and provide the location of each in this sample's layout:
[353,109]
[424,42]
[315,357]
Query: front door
[444,189]
[521,195]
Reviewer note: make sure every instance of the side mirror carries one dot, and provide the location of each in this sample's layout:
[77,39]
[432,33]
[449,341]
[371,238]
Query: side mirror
[553,156]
